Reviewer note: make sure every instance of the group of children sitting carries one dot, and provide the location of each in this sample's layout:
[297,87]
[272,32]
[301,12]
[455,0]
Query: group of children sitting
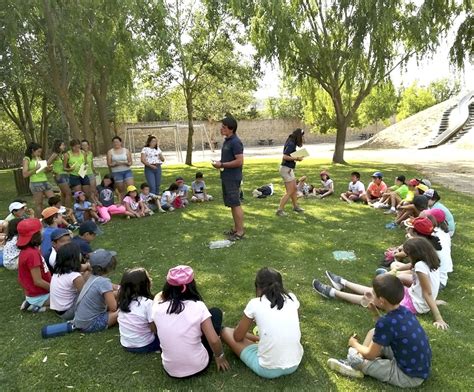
[58,270]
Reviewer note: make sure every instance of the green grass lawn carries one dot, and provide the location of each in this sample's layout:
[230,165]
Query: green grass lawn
[299,246]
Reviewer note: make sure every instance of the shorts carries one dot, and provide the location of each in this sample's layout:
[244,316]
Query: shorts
[39,300]
[287,173]
[100,323]
[231,192]
[407,302]
[122,176]
[37,187]
[386,369]
[153,347]
[249,356]
[61,178]
[78,181]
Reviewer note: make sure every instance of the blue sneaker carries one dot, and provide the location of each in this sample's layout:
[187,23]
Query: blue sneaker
[391,225]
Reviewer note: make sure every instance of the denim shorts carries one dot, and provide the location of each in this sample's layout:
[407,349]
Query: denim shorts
[100,323]
[122,176]
[37,187]
[61,178]
[78,181]
[249,356]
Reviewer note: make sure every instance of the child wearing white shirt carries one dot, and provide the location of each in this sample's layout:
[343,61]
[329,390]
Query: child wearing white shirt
[135,301]
[169,197]
[355,189]
[275,312]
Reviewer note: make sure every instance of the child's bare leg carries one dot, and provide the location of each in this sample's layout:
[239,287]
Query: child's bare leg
[345,197]
[357,288]
[349,297]
[227,336]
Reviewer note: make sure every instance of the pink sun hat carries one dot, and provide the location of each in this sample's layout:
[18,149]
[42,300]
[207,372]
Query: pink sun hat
[437,213]
[180,275]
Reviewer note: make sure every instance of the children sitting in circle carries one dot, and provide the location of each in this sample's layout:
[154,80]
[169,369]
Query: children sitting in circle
[67,281]
[133,204]
[198,187]
[96,305]
[11,251]
[106,206]
[277,350]
[150,200]
[84,210]
[187,329]
[33,273]
[375,190]
[169,196]
[50,222]
[303,189]
[327,185]
[59,237]
[66,217]
[434,202]
[397,351]
[355,189]
[393,196]
[135,302]
[183,190]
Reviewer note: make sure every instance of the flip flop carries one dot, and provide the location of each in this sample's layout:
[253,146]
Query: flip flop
[236,237]
[229,232]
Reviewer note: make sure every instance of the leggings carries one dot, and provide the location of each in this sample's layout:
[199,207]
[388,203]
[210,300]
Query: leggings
[105,212]
[153,178]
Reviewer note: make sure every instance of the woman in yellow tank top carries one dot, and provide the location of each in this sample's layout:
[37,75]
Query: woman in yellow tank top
[74,160]
[60,175]
[39,185]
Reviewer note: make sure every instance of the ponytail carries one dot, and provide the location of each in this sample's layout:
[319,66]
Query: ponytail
[270,284]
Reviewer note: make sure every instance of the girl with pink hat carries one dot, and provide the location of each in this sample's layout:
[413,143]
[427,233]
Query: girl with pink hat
[187,329]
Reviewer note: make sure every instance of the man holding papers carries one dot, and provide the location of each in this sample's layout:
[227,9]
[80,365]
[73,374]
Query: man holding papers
[287,170]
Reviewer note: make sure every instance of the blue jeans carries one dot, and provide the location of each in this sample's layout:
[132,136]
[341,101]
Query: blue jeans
[153,178]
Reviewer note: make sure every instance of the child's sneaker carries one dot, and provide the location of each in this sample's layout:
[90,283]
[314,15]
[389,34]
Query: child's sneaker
[25,305]
[341,366]
[335,280]
[171,209]
[391,211]
[354,359]
[36,309]
[375,205]
[298,209]
[322,289]
[281,213]
[151,213]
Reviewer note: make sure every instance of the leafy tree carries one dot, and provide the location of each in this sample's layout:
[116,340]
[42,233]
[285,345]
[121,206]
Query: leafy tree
[462,50]
[444,89]
[346,47]
[283,107]
[379,105]
[413,100]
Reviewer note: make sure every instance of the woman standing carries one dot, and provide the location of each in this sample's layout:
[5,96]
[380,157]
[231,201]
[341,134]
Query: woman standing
[152,158]
[39,185]
[73,160]
[287,171]
[119,161]
[60,175]
[91,172]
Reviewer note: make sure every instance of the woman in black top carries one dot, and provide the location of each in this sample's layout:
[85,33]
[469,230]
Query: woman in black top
[287,171]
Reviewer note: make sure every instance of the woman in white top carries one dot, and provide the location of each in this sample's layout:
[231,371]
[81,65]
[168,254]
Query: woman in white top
[275,312]
[119,161]
[152,158]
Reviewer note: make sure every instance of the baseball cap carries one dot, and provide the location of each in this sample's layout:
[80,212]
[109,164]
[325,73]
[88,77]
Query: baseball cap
[49,212]
[77,194]
[378,174]
[437,213]
[131,188]
[59,233]
[422,187]
[101,257]
[413,182]
[26,229]
[16,205]
[180,275]
[423,226]
[230,122]
[89,227]
[429,193]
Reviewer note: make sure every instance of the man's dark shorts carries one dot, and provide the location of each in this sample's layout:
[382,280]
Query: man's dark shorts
[231,192]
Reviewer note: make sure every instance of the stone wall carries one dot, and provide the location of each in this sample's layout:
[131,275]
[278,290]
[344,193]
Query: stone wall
[251,132]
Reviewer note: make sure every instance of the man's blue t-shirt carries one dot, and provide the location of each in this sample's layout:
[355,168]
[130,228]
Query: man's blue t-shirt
[83,245]
[232,146]
[46,243]
[401,330]
[290,148]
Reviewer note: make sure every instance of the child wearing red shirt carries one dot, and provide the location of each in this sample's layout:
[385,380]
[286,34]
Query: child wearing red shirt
[33,273]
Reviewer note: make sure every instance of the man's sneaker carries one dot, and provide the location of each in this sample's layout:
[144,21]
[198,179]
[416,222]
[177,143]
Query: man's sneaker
[298,209]
[344,368]
[354,359]
[322,289]
[335,280]
[25,305]
[281,213]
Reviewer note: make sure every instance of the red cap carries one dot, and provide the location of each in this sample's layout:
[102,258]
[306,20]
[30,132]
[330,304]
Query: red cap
[423,226]
[26,229]
[437,213]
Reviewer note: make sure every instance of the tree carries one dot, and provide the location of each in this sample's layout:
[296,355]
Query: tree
[283,107]
[346,47]
[443,89]
[462,49]
[379,105]
[201,53]
[413,100]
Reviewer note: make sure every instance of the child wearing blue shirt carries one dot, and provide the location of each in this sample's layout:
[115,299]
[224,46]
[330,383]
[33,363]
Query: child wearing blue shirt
[84,210]
[397,350]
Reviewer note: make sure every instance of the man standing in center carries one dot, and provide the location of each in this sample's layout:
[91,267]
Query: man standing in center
[230,165]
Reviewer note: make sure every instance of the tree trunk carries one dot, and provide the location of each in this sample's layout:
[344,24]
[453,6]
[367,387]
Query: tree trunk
[338,156]
[86,104]
[100,96]
[44,123]
[190,110]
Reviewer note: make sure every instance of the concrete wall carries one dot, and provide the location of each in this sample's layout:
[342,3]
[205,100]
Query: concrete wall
[249,131]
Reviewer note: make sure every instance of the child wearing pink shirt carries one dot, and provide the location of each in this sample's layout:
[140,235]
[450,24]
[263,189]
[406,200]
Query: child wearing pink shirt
[375,189]
[133,204]
[188,331]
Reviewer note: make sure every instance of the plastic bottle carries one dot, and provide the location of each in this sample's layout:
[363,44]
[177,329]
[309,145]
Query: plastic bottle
[54,330]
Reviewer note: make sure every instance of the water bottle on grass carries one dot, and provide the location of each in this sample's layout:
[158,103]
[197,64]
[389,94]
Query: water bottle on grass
[54,330]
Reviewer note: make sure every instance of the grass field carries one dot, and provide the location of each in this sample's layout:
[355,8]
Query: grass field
[300,246]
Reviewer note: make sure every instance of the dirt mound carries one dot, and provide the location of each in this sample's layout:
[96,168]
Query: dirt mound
[411,131]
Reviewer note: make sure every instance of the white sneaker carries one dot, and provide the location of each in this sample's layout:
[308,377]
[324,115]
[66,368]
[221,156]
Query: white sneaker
[171,209]
[375,205]
[344,368]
